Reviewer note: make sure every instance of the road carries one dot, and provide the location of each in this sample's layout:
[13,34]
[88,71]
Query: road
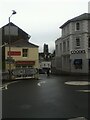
[48,97]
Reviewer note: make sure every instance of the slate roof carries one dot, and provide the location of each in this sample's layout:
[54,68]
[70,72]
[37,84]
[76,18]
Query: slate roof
[23,43]
[85,16]
[12,24]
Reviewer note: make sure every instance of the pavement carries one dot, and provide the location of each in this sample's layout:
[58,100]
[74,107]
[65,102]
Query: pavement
[48,97]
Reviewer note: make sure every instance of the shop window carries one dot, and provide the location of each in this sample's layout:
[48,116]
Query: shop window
[78,63]
[25,52]
[18,66]
[24,66]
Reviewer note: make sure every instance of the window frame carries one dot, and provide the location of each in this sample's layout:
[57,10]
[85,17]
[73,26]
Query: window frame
[78,43]
[24,53]
[77,26]
[89,42]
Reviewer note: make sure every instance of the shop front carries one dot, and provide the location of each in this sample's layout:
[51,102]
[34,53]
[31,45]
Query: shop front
[78,63]
[24,64]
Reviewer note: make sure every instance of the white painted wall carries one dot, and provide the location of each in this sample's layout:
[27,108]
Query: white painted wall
[71,35]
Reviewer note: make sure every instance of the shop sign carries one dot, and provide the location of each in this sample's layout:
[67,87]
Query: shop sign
[14,53]
[25,62]
[77,51]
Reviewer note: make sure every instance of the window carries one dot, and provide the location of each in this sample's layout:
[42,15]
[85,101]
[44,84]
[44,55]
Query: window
[24,52]
[78,63]
[57,49]
[89,42]
[64,46]
[18,66]
[61,47]
[68,45]
[77,26]
[77,42]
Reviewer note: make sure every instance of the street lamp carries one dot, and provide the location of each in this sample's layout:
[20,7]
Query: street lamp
[13,12]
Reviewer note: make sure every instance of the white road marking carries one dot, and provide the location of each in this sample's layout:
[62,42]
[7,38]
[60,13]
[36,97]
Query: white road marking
[5,86]
[77,83]
[86,91]
[78,118]
[40,83]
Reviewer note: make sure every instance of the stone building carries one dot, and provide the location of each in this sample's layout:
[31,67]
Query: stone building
[17,51]
[73,47]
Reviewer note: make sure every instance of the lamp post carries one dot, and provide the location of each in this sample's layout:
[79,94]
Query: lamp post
[13,12]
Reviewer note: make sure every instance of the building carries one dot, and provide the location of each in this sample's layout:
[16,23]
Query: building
[89,7]
[45,49]
[45,59]
[17,51]
[72,52]
[23,53]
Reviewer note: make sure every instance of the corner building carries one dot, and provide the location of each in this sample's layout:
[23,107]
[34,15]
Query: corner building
[23,54]
[73,47]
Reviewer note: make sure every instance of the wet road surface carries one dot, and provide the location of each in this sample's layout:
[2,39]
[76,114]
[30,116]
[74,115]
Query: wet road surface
[48,97]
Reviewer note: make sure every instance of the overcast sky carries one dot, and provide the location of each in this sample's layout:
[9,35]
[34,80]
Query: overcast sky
[41,18]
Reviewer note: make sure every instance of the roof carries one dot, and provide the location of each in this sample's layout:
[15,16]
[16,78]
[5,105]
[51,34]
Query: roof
[23,43]
[85,16]
[20,30]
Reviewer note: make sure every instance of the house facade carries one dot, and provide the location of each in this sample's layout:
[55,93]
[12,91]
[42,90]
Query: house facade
[23,55]
[73,47]
[18,54]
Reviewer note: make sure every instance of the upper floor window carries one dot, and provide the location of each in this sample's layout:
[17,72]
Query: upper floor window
[77,26]
[57,49]
[64,46]
[60,47]
[25,52]
[89,42]
[68,45]
[77,42]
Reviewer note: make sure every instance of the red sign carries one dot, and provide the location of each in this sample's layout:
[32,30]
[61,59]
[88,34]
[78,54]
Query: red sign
[14,53]
[25,62]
